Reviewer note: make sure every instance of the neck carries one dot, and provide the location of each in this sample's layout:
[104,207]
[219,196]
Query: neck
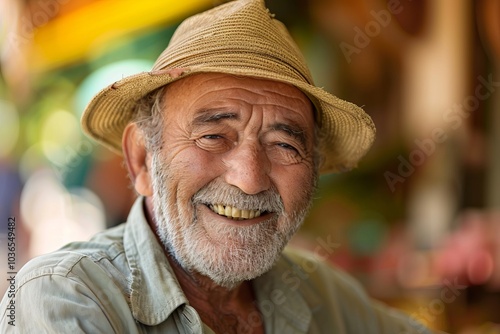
[222,309]
[200,289]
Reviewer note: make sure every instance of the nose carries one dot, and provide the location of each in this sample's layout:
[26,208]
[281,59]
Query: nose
[248,168]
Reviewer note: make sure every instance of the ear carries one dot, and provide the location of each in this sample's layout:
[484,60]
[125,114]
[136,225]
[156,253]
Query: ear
[136,158]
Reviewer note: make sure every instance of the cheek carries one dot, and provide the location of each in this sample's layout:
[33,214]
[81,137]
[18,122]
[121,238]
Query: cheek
[193,168]
[295,185]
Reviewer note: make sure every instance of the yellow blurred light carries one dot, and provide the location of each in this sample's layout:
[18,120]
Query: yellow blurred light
[60,133]
[70,37]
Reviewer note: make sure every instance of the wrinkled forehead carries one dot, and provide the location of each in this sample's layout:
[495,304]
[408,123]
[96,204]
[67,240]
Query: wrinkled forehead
[219,87]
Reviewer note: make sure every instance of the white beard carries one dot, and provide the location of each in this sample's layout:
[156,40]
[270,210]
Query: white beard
[240,252]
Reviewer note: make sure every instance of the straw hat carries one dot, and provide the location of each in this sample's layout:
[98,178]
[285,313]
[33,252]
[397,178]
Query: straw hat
[239,38]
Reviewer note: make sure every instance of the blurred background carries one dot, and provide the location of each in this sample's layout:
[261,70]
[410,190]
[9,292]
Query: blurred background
[418,222]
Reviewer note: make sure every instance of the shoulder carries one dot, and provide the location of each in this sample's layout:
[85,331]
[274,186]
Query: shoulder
[92,276]
[76,260]
[319,272]
[343,299]
[319,277]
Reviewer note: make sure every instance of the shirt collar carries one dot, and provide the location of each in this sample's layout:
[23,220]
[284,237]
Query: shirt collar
[154,290]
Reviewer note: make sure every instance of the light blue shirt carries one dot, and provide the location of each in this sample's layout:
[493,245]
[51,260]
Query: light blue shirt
[121,282]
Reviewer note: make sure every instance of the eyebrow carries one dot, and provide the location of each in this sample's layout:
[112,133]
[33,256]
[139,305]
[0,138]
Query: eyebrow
[216,115]
[294,131]
[213,116]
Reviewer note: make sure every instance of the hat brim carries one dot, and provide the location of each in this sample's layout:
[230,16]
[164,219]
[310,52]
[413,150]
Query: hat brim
[347,132]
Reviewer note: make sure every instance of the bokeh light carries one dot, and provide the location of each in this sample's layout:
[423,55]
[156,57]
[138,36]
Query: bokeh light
[9,127]
[54,216]
[105,76]
[60,132]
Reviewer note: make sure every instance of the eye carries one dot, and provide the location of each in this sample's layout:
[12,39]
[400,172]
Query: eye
[284,153]
[214,143]
[287,146]
[212,136]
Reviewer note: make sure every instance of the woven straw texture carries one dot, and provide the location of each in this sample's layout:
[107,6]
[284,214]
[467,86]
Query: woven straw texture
[239,38]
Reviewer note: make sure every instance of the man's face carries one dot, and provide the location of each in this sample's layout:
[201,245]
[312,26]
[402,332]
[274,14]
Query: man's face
[234,176]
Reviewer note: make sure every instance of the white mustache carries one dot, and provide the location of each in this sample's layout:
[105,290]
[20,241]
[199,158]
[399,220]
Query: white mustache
[219,192]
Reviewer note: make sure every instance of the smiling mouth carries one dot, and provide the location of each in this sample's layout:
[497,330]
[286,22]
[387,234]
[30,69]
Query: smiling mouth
[234,213]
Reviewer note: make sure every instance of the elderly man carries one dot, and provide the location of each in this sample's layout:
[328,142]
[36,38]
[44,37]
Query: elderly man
[224,141]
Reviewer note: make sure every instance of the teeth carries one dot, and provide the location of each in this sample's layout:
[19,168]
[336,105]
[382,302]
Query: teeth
[234,213]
